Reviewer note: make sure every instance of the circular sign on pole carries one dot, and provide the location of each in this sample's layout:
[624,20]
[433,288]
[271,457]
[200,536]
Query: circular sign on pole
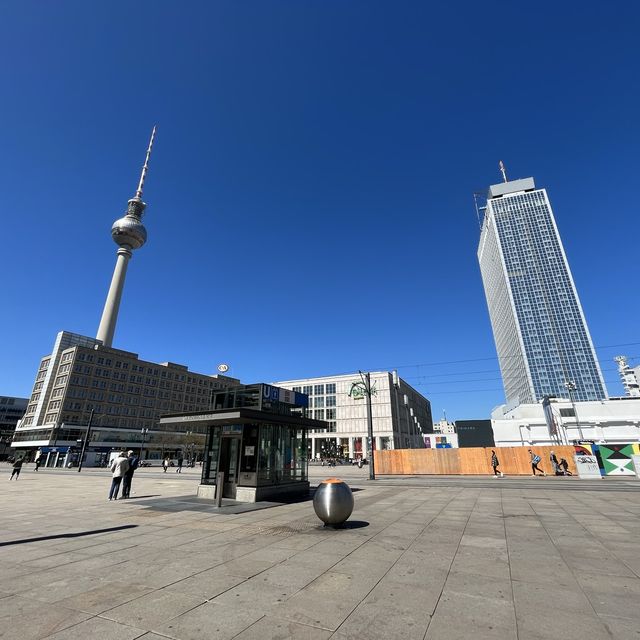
[223,368]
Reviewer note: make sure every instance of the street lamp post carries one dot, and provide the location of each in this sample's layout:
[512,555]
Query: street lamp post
[571,387]
[144,432]
[367,389]
[84,442]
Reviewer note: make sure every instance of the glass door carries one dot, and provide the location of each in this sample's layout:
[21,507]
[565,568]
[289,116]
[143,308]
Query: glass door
[229,464]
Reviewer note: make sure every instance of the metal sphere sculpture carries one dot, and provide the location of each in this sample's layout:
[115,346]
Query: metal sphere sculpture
[333,501]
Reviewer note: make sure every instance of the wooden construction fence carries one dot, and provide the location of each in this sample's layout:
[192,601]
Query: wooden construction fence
[514,461]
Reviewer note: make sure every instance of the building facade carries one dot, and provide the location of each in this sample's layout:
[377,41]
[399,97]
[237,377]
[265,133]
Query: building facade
[541,335]
[126,394]
[475,433]
[629,376]
[11,411]
[444,426]
[400,413]
[612,421]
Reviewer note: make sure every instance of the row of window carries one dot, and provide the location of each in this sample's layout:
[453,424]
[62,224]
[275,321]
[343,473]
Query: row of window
[140,368]
[320,401]
[324,414]
[317,389]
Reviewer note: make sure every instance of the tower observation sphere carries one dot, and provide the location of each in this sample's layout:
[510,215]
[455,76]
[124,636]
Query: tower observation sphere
[129,234]
[129,231]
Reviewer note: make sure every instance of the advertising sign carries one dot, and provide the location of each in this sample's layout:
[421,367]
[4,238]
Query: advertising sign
[587,466]
[286,396]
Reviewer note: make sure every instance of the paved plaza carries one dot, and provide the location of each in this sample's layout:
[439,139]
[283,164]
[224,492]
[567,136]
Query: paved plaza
[434,558]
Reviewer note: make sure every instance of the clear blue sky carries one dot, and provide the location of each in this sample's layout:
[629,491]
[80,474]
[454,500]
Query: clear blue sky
[310,204]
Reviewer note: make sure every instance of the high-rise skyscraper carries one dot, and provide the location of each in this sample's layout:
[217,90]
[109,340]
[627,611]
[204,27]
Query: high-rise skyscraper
[543,343]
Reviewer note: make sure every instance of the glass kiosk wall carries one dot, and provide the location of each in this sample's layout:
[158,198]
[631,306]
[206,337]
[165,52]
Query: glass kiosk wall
[254,457]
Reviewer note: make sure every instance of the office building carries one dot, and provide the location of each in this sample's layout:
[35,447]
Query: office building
[543,343]
[400,413]
[11,410]
[444,426]
[126,394]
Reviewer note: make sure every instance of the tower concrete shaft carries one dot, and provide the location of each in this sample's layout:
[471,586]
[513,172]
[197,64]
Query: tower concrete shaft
[112,304]
[128,233]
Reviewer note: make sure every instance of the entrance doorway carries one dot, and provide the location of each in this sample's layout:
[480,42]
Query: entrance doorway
[229,464]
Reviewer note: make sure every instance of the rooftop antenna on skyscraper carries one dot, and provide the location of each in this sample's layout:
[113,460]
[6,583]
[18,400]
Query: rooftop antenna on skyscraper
[145,167]
[503,170]
[478,197]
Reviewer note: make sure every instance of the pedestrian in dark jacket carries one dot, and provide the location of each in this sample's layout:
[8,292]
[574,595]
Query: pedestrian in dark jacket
[17,468]
[535,460]
[495,463]
[180,461]
[134,463]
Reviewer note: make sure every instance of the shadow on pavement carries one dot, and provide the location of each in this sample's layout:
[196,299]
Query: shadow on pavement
[68,535]
[349,524]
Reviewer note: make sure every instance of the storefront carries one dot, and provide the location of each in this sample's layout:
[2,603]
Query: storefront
[257,438]
[56,457]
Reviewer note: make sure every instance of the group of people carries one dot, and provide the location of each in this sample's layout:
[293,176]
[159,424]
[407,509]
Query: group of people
[560,467]
[123,467]
[166,463]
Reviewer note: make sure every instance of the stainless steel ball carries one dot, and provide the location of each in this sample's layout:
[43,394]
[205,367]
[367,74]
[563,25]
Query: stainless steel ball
[129,231]
[333,501]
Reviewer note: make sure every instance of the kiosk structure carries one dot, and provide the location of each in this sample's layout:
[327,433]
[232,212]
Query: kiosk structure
[256,436]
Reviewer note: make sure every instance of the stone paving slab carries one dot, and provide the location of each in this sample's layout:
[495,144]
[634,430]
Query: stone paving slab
[422,558]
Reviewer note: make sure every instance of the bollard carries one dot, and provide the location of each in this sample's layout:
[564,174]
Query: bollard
[333,501]
[219,488]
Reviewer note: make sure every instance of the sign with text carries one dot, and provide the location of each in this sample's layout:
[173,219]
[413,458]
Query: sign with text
[587,466]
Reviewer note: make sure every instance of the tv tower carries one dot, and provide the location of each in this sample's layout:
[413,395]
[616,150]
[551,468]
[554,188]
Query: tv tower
[128,233]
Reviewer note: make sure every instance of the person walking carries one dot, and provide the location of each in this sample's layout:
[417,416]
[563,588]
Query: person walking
[165,464]
[119,467]
[37,461]
[535,460]
[180,461]
[134,463]
[495,463]
[17,468]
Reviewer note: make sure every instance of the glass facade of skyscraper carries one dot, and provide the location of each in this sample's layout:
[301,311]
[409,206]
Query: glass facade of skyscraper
[540,331]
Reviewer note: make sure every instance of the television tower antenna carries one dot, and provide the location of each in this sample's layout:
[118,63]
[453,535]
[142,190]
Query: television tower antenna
[503,170]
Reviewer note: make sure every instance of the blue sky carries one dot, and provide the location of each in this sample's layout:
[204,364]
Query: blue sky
[310,204]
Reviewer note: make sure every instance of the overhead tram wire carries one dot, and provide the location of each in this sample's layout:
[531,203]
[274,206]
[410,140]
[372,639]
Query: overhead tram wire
[434,364]
[462,361]
[427,378]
